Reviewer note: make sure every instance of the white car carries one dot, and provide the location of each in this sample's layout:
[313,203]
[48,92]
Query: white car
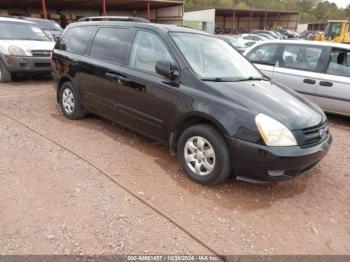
[24,49]
[318,70]
[238,42]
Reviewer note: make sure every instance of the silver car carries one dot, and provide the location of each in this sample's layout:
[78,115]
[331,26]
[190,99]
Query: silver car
[318,70]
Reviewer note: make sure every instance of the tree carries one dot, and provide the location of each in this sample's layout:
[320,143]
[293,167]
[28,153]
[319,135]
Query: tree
[310,10]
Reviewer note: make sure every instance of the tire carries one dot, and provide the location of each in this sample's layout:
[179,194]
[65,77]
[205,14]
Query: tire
[5,75]
[195,145]
[70,102]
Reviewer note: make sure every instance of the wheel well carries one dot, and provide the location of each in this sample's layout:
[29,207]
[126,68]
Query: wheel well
[188,122]
[59,85]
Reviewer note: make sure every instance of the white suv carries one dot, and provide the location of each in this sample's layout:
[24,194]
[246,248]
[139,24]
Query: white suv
[24,49]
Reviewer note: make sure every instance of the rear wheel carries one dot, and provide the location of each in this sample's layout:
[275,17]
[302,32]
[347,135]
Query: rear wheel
[70,102]
[5,75]
[204,154]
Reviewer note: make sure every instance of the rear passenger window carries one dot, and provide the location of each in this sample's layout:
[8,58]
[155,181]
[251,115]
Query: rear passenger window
[110,44]
[76,39]
[264,54]
[339,63]
[301,57]
[147,50]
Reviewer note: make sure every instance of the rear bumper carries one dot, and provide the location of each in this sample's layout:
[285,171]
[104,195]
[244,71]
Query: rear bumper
[258,163]
[27,64]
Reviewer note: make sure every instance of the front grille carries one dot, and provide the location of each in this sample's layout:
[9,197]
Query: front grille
[314,135]
[41,53]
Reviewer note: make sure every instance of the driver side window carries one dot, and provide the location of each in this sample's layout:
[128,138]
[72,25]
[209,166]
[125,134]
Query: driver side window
[147,50]
[264,54]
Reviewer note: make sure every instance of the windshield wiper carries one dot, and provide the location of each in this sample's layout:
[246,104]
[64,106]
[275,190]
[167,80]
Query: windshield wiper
[251,78]
[217,79]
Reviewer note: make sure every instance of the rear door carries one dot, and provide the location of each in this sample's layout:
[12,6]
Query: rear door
[105,58]
[333,93]
[71,52]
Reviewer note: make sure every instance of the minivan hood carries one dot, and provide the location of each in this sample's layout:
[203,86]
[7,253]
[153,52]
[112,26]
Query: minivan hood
[27,45]
[278,102]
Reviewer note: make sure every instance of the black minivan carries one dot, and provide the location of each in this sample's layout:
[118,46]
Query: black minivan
[192,92]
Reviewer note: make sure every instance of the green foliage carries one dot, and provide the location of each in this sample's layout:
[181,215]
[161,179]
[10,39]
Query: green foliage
[310,10]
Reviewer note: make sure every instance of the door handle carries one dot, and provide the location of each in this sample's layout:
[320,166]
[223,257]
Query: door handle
[309,81]
[123,80]
[112,76]
[325,83]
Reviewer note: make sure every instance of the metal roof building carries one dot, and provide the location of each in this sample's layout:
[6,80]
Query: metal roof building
[160,11]
[231,20]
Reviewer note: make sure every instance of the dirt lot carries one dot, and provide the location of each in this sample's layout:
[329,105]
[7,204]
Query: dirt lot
[90,187]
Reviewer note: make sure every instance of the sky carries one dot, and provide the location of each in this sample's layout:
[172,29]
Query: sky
[341,3]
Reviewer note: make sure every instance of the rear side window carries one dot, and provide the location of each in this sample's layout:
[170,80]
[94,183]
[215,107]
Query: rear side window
[301,57]
[76,39]
[110,44]
[339,63]
[264,54]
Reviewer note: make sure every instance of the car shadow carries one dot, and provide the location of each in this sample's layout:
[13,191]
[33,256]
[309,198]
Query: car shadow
[339,121]
[231,194]
[19,79]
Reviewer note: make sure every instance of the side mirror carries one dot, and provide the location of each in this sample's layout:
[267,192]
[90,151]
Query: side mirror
[167,69]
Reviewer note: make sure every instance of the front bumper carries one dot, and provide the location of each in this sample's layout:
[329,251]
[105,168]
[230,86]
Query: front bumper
[259,163]
[27,64]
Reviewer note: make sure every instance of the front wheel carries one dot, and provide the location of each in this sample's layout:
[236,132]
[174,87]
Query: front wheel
[204,155]
[5,75]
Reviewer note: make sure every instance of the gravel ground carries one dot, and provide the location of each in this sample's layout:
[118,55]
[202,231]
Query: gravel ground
[91,187]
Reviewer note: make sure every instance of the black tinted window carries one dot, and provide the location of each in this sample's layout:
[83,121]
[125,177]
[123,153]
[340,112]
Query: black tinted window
[110,44]
[76,39]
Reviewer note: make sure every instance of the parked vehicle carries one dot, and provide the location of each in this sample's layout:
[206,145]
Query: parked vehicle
[318,70]
[280,35]
[271,33]
[269,37]
[192,92]
[237,42]
[51,28]
[24,49]
[337,31]
[310,35]
[253,37]
[287,33]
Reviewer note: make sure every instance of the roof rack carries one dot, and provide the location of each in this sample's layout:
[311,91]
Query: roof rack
[113,18]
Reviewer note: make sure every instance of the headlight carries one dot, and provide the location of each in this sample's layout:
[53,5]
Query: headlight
[16,51]
[273,132]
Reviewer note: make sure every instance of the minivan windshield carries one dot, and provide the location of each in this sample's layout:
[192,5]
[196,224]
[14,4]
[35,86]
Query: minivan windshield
[213,59]
[21,31]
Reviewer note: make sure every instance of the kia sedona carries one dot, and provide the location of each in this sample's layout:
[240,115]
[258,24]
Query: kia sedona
[192,92]
[24,49]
